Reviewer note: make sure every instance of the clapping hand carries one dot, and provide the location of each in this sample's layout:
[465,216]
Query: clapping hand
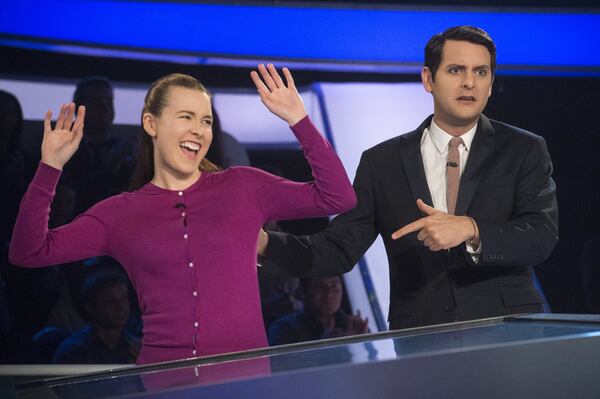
[59,144]
[281,99]
[355,325]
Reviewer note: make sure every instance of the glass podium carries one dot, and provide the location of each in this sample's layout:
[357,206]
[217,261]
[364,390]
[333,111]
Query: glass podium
[533,356]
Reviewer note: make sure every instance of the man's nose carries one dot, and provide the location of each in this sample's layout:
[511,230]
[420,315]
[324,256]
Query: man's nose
[469,80]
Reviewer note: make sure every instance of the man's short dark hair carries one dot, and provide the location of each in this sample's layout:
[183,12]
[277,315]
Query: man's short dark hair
[92,81]
[471,34]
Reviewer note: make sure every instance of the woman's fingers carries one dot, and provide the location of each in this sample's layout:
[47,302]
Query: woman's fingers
[262,89]
[275,75]
[288,78]
[61,118]
[267,77]
[80,117]
[47,120]
[78,126]
[68,123]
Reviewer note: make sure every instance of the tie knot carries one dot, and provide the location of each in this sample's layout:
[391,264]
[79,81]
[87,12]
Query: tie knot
[455,142]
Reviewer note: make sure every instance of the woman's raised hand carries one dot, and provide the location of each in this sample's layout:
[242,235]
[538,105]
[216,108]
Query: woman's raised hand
[281,99]
[59,145]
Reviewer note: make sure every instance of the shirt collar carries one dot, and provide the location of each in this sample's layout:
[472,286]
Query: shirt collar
[440,138]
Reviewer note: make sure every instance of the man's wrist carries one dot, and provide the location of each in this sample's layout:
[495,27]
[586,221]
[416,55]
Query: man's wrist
[474,240]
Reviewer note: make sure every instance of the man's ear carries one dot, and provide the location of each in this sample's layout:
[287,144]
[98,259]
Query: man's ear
[427,79]
[149,124]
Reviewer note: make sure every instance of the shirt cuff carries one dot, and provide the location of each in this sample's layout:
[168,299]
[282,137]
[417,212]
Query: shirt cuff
[474,253]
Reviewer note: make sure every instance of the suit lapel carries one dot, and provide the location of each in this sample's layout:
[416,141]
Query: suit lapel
[410,153]
[481,148]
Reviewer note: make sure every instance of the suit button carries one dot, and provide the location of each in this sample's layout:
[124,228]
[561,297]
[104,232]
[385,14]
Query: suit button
[448,308]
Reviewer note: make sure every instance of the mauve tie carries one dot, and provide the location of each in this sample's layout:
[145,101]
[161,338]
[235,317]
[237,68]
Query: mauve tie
[452,174]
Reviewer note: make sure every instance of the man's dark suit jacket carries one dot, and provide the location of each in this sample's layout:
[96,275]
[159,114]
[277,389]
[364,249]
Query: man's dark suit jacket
[506,187]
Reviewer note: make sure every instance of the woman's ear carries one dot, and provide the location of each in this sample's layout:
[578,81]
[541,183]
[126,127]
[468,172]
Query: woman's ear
[149,124]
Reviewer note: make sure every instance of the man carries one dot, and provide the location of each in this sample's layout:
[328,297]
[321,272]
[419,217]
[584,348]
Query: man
[103,164]
[104,340]
[475,197]
[321,316]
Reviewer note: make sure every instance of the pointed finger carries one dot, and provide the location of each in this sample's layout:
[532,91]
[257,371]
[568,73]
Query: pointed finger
[288,78]
[61,118]
[409,228]
[47,120]
[267,77]
[275,75]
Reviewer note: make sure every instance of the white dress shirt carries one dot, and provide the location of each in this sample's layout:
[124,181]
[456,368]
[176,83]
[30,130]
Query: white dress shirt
[434,150]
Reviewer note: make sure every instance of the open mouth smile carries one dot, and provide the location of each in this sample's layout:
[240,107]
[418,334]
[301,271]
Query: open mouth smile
[190,149]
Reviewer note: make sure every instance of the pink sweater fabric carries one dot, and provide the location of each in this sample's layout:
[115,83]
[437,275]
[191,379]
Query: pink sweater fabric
[190,254]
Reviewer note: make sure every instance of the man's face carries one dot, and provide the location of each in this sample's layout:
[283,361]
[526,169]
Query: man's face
[99,112]
[325,295]
[462,85]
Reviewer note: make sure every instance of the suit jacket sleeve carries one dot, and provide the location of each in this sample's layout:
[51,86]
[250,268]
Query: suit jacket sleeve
[530,235]
[336,249]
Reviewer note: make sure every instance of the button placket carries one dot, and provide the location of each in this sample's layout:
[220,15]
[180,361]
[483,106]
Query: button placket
[190,266]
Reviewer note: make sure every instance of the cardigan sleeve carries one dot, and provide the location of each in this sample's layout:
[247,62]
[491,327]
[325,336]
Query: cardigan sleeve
[330,192]
[34,245]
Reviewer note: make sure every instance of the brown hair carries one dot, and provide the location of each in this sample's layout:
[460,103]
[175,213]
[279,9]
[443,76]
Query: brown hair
[154,103]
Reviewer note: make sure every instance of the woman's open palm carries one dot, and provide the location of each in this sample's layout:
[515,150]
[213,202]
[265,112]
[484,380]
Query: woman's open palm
[281,99]
[59,144]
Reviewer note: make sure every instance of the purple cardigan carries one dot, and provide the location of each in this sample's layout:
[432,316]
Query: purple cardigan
[190,254]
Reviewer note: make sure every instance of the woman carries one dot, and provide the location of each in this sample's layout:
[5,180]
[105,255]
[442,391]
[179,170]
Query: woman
[187,237]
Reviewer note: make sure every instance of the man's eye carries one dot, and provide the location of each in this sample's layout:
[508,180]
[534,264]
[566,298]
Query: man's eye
[186,117]
[454,70]
[207,122]
[482,72]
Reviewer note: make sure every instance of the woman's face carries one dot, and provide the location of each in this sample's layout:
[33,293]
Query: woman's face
[182,133]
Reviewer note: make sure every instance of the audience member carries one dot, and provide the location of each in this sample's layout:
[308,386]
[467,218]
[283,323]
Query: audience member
[225,150]
[104,340]
[12,165]
[321,317]
[103,164]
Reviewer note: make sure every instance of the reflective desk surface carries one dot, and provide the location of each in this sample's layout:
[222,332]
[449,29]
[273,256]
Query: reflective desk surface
[541,355]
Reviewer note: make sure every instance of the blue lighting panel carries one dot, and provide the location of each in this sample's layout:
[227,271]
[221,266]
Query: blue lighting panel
[533,39]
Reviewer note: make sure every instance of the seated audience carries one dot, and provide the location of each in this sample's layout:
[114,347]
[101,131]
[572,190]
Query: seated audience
[105,340]
[321,317]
